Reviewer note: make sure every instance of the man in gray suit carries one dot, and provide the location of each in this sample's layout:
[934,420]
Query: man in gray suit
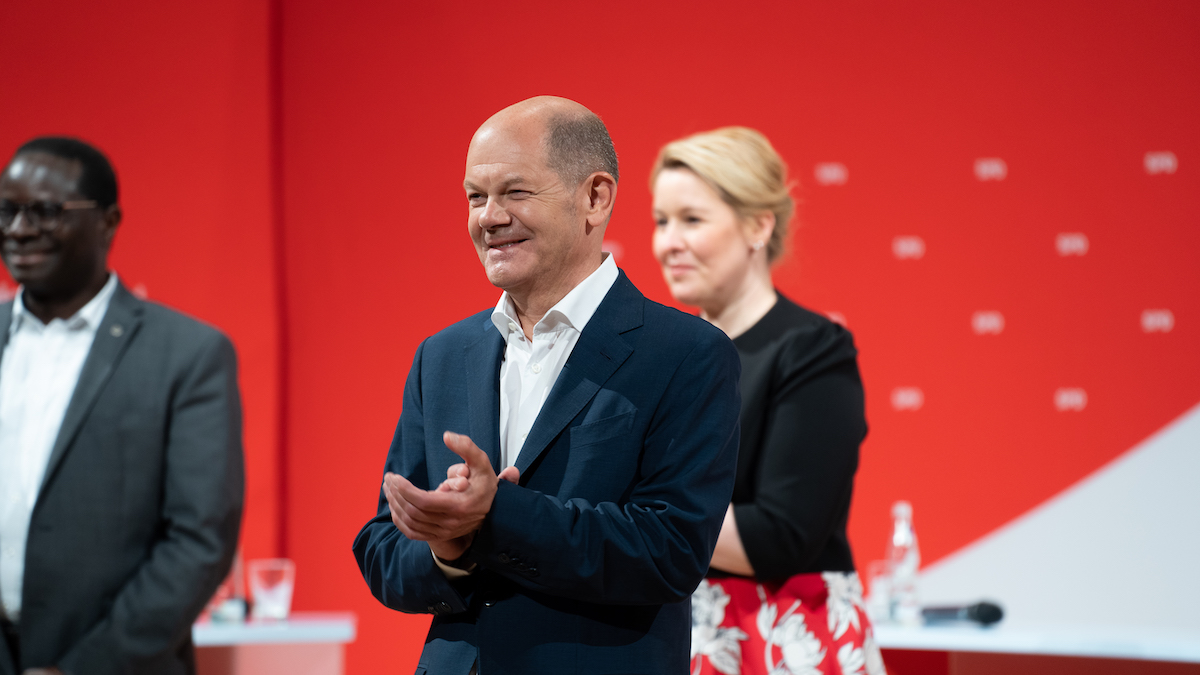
[121,472]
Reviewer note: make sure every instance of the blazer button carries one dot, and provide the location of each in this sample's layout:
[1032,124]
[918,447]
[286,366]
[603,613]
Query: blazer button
[442,608]
[503,558]
[489,602]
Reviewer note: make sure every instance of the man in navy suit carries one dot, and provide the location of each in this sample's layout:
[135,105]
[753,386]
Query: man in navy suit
[563,462]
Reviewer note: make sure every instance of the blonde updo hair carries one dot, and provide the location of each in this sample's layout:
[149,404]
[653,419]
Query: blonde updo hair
[740,164]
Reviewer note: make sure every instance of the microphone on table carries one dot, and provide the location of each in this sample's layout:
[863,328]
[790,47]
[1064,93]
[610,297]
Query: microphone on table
[984,613]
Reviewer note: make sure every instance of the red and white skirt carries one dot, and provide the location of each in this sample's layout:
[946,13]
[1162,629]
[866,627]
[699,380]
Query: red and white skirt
[811,624]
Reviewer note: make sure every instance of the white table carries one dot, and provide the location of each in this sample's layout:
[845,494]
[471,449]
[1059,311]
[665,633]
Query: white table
[1095,642]
[1036,649]
[308,643]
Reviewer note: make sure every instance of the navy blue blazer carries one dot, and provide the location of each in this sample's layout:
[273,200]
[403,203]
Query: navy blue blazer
[589,564]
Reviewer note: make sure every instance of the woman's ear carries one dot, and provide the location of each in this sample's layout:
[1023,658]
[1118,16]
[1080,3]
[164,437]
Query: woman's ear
[761,227]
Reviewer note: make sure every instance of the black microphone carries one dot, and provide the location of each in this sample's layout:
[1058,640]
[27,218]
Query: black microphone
[985,613]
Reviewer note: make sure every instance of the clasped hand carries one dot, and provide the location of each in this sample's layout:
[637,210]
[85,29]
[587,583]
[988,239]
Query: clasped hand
[449,516]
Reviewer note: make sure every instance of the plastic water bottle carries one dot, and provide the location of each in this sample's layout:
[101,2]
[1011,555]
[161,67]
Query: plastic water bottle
[905,559]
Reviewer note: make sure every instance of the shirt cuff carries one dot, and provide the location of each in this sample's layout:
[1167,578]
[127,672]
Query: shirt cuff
[451,572]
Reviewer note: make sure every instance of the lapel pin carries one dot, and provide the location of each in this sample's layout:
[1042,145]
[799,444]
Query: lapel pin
[116,331]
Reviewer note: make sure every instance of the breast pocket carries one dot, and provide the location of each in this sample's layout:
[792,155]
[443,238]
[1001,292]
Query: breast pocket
[604,459]
[604,449]
[602,430]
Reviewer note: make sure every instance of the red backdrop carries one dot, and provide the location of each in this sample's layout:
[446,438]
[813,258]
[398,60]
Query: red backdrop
[298,166]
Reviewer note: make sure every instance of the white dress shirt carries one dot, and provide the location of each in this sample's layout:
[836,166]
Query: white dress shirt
[38,372]
[530,368]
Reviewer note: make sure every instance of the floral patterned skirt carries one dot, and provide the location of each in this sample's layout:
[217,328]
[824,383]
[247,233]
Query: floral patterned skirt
[808,625]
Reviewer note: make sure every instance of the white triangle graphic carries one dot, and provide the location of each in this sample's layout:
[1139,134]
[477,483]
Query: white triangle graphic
[1119,548]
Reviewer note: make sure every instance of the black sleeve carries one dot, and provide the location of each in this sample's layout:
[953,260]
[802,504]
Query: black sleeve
[805,475]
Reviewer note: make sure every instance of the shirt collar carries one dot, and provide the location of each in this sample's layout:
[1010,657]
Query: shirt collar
[88,316]
[574,310]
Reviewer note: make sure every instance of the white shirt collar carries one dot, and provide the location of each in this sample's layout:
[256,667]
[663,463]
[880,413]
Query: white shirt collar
[574,310]
[88,316]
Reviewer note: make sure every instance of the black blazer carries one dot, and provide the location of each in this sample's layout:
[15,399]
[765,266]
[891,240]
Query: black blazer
[589,564]
[802,424]
[137,518]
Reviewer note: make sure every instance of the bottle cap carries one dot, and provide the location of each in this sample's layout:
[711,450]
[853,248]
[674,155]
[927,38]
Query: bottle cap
[902,509]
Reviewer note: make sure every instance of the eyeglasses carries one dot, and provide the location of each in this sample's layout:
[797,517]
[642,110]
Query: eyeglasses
[46,216]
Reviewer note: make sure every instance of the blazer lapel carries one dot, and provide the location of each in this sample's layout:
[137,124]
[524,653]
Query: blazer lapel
[482,357]
[597,355]
[121,322]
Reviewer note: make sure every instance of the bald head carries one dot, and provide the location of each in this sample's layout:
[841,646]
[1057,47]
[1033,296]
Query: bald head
[575,141]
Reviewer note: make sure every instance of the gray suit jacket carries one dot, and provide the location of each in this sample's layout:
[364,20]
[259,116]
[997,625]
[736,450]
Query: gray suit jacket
[137,518]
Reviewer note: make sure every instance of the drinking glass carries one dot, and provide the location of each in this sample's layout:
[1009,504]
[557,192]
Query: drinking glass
[271,584]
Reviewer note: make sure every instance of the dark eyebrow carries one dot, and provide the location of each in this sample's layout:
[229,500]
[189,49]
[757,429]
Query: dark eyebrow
[506,183]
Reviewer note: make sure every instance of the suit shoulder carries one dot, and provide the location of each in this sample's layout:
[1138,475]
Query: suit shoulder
[160,318]
[798,340]
[462,332]
[804,325]
[681,328]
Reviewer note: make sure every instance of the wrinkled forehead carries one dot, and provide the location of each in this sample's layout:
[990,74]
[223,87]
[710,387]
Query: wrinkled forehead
[41,173]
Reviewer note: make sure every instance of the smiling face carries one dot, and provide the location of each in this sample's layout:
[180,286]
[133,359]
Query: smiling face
[704,247]
[529,229]
[54,266]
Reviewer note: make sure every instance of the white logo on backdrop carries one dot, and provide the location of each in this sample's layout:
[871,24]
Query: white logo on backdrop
[990,168]
[908,247]
[987,322]
[615,248]
[831,173]
[7,292]
[1070,398]
[836,317]
[1071,243]
[907,398]
[1157,320]
[1161,162]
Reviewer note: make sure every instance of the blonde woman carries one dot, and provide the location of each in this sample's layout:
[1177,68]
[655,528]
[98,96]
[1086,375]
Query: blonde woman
[781,592]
